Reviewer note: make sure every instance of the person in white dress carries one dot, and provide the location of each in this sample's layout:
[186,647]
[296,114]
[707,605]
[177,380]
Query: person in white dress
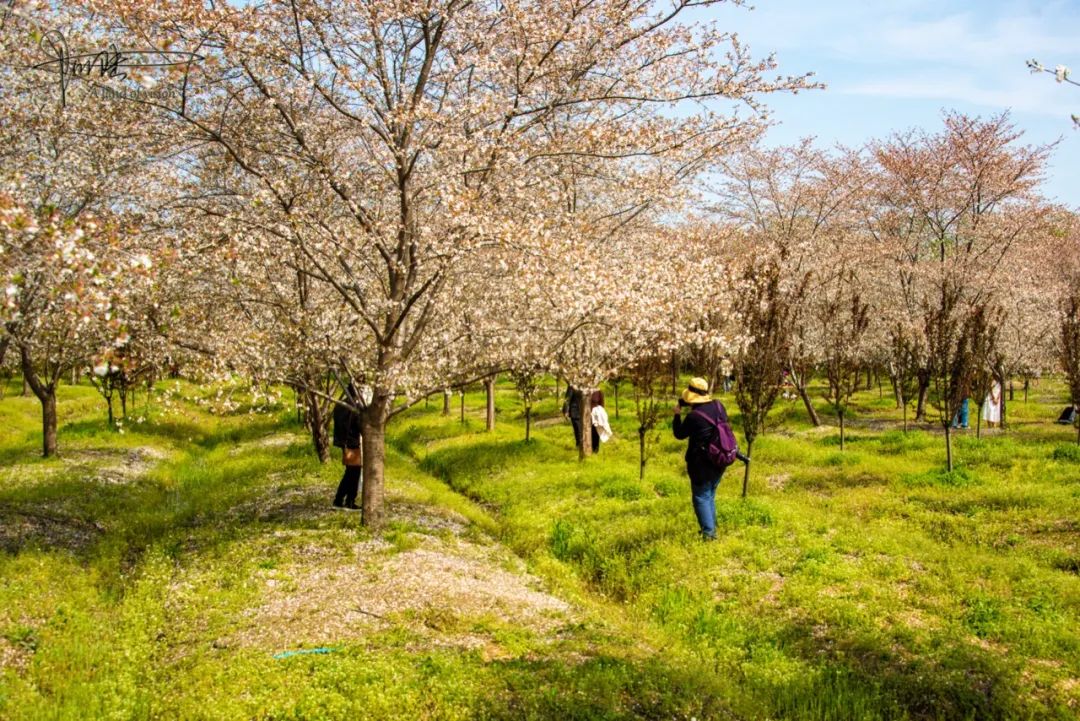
[991,410]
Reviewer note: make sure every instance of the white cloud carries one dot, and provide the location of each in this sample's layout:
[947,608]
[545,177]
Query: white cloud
[1036,95]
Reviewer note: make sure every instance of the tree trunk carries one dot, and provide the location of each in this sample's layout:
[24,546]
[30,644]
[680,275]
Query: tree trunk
[880,390]
[1012,389]
[948,448]
[810,410]
[25,387]
[316,424]
[446,402]
[641,452]
[841,416]
[1027,386]
[123,403]
[528,422]
[585,449]
[924,387]
[746,471]
[48,421]
[869,378]
[462,405]
[489,389]
[903,404]
[674,375]
[1078,431]
[978,424]
[112,417]
[321,440]
[896,392]
[373,428]
[46,393]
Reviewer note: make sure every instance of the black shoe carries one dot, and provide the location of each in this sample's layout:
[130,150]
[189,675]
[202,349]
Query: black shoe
[338,504]
[351,507]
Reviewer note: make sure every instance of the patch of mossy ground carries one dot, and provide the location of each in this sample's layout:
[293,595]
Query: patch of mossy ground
[157,573]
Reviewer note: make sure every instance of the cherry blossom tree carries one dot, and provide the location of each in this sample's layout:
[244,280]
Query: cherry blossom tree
[954,209]
[393,145]
[792,197]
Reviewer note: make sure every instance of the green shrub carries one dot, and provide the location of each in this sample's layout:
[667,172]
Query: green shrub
[959,477]
[1069,453]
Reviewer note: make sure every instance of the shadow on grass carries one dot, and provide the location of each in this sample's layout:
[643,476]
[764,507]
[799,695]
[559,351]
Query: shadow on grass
[456,464]
[203,498]
[604,688]
[862,670]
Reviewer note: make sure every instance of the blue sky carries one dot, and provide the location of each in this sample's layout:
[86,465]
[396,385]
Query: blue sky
[890,66]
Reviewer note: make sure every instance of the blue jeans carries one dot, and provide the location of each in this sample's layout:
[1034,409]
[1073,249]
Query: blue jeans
[703,495]
[960,420]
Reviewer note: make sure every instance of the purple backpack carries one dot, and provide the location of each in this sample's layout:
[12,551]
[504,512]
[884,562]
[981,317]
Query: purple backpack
[721,449]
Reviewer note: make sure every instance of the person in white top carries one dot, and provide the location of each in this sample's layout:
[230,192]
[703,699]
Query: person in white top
[600,424]
[991,410]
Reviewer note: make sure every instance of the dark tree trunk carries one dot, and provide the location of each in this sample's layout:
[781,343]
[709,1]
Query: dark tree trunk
[641,452]
[810,410]
[48,422]
[924,388]
[1012,389]
[1027,387]
[317,426]
[489,389]
[46,393]
[896,392]
[674,374]
[528,422]
[948,447]
[585,449]
[446,402]
[746,471]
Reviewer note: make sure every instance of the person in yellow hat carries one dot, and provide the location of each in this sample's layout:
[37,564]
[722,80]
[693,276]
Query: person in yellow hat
[700,428]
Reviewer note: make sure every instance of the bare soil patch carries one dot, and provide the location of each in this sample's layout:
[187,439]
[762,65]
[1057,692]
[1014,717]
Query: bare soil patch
[448,592]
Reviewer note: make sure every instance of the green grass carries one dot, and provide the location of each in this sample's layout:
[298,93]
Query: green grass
[858,584]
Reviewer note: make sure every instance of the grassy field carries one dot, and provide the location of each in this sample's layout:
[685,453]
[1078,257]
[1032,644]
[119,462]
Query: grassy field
[191,567]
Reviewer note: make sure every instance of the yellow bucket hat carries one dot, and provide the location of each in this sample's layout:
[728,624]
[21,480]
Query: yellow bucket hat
[697,393]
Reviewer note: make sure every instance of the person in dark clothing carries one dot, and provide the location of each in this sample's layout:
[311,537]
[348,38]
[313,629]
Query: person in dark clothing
[571,408]
[698,430]
[347,438]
